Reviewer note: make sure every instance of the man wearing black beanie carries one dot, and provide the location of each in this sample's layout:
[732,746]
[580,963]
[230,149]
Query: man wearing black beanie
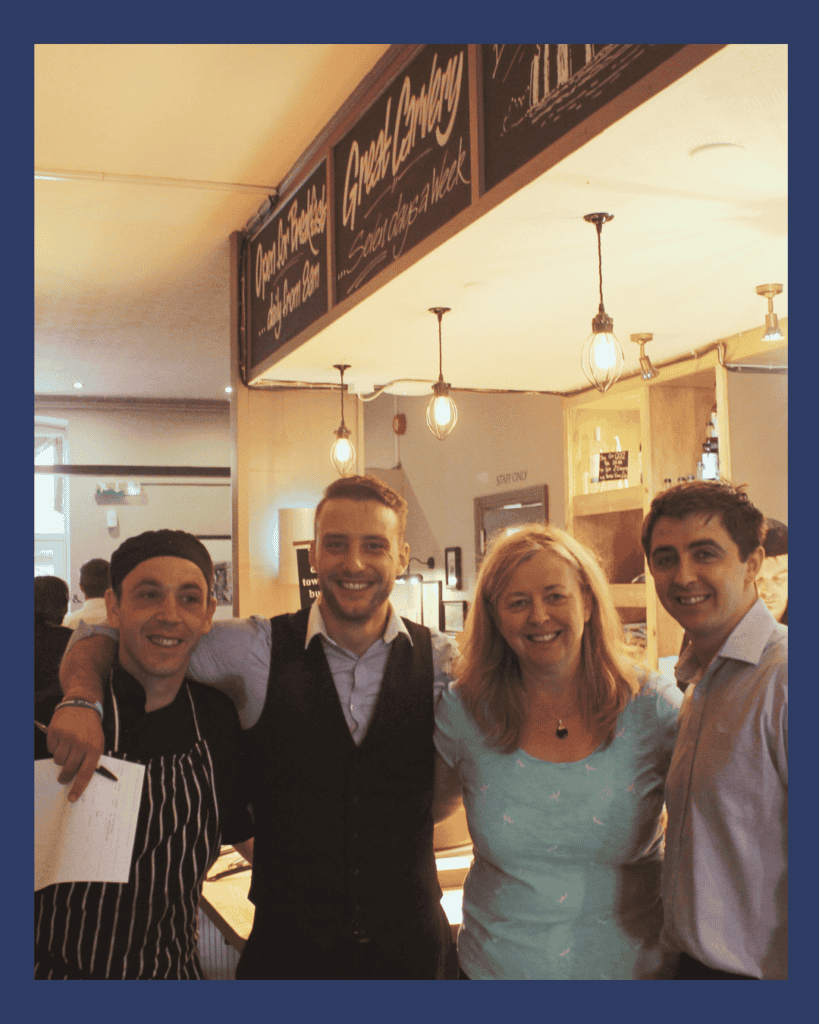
[188,737]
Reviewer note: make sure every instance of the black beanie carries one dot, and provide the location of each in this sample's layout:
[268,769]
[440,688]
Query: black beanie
[156,544]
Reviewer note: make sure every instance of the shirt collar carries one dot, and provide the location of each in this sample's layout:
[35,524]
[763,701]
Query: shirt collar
[746,642]
[316,627]
[749,636]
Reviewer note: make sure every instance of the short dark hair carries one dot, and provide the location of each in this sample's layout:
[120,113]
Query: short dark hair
[95,578]
[776,539]
[742,520]
[50,599]
[365,488]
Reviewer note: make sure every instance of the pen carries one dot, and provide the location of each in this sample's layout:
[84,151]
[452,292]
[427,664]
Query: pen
[100,769]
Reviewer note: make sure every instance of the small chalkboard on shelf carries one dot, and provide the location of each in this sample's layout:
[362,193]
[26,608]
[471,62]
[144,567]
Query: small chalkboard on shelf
[613,466]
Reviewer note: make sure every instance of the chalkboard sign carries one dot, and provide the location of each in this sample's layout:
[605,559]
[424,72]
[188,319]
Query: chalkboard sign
[404,170]
[613,466]
[534,93]
[288,269]
[308,581]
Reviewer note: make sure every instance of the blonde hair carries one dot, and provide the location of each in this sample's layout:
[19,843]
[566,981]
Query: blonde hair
[489,678]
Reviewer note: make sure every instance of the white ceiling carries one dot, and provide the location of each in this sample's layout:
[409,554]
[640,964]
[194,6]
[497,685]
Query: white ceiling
[131,279]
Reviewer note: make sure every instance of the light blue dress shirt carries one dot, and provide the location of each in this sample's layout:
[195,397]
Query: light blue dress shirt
[725,879]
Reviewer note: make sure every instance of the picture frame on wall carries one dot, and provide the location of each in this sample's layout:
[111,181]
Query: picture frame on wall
[431,604]
[220,549]
[452,567]
[454,616]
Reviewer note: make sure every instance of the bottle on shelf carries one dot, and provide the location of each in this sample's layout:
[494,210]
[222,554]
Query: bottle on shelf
[621,483]
[710,459]
[594,462]
[710,449]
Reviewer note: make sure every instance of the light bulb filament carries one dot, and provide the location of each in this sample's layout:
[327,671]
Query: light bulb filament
[603,352]
[442,411]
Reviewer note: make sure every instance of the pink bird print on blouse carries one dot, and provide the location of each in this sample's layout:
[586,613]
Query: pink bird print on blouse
[555,796]
[519,763]
[508,819]
[562,898]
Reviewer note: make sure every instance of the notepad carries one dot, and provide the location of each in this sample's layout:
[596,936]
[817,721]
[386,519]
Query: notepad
[91,840]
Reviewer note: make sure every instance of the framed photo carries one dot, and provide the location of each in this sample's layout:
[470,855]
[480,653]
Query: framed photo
[452,567]
[220,549]
[431,604]
[454,616]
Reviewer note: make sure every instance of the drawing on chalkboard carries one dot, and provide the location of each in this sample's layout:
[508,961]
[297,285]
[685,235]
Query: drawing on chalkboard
[546,67]
[534,93]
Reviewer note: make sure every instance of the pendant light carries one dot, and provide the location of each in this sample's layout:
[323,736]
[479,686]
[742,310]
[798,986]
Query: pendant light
[648,371]
[772,331]
[602,356]
[342,454]
[442,413]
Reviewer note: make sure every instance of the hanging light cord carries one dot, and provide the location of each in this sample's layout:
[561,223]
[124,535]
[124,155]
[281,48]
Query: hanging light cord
[599,225]
[341,368]
[440,314]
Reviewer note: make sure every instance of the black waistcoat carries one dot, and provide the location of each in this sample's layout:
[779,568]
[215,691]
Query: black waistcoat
[344,833]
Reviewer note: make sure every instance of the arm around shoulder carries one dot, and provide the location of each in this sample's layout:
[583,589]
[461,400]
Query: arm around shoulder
[75,737]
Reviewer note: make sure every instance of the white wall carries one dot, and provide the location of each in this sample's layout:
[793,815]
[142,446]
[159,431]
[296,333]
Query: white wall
[758,406]
[496,437]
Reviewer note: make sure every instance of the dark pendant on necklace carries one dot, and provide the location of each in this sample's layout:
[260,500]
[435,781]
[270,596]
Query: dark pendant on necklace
[561,732]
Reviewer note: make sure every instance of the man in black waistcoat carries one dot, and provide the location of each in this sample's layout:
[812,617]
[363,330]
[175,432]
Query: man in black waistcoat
[337,703]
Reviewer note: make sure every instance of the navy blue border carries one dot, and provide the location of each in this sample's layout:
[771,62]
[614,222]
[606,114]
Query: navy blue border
[385,1000]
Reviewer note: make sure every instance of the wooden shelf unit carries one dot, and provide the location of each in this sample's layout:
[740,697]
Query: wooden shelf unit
[662,426]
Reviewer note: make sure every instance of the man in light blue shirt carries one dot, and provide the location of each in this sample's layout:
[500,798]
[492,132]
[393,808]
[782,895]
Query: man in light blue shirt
[337,707]
[725,873]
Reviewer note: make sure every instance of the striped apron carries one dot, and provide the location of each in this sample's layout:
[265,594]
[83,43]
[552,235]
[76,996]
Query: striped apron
[147,927]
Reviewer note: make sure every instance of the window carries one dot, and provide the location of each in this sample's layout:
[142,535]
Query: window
[50,501]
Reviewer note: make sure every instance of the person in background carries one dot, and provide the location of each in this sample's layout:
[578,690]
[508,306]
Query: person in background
[772,581]
[558,743]
[337,702]
[94,581]
[188,737]
[725,876]
[51,597]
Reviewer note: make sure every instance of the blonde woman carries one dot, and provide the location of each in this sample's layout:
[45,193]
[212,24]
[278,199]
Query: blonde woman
[558,744]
